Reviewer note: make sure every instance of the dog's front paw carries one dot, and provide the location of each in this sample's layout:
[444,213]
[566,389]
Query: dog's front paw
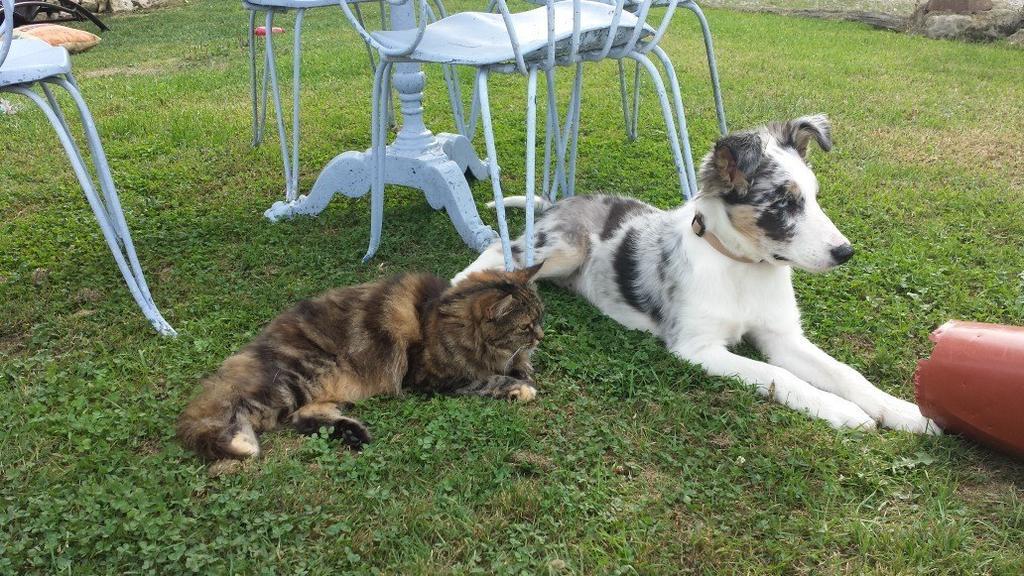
[902,415]
[522,393]
[842,413]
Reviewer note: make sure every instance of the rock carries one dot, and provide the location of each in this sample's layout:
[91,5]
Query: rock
[974,20]
[949,26]
[959,6]
[121,5]
[875,19]
[1017,38]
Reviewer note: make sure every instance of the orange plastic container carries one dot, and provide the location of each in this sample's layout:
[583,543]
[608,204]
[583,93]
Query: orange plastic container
[973,384]
[261,31]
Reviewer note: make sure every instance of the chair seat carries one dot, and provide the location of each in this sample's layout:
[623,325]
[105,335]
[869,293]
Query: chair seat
[481,39]
[31,60]
[287,4]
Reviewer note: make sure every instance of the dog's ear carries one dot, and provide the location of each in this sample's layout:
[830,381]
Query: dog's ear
[736,158]
[799,132]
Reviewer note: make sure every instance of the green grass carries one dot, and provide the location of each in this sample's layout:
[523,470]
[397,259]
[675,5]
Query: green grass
[630,462]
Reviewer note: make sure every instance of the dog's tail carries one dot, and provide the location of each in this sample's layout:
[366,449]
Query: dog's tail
[540,203]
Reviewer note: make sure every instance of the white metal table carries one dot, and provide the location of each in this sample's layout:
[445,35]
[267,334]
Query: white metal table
[433,163]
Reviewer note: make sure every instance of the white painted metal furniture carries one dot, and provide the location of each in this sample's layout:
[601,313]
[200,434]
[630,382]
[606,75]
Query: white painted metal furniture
[259,87]
[564,33]
[266,84]
[418,158]
[630,107]
[25,64]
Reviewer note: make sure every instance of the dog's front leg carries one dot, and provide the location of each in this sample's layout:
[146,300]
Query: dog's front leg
[796,353]
[779,385]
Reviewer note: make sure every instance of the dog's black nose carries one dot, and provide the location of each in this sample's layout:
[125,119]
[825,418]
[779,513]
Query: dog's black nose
[842,253]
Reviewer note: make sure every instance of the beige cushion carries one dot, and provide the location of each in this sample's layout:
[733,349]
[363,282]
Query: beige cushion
[72,39]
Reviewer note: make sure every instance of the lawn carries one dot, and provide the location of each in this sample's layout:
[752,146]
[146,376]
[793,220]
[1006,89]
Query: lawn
[630,462]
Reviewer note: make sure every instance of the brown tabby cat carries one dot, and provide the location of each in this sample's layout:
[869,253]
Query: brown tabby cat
[411,332]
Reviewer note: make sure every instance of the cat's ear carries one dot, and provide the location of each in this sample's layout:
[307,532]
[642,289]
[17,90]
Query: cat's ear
[524,275]
[501,307]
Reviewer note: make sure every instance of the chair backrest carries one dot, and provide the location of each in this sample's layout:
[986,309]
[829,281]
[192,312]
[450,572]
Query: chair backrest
[6,29]
[640,8]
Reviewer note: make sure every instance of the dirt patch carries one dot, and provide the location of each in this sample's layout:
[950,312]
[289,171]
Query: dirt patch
[531,461]
[992,480]
[862,344]
[13,343]
[886,14]
[145,69]
[981,149]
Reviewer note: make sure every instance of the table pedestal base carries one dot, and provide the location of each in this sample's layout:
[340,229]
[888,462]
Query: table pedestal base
[439,170]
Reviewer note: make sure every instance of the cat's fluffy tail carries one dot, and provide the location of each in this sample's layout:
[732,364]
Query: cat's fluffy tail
[214,425]
[540,203]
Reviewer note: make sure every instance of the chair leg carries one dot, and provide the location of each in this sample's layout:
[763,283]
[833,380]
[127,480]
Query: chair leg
[271,72]
[568,133]
[378,135]
[684,134]
[629,110]
[635,118]
[107,208]
[712,64]
[666,111]
[293,188]
[474,112]
[372,55]
[624,99]
[574,133]
[257,122]
[531,159]
[553,137]
[451,79]
[492,164]
[550,126]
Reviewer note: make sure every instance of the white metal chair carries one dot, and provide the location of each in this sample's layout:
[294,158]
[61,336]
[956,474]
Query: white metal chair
[26,63]
[261,89]
[630,107]
[563,33]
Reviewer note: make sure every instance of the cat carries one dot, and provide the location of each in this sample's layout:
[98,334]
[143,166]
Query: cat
[412,332]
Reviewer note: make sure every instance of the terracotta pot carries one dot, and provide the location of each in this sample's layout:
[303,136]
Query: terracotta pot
[973,384]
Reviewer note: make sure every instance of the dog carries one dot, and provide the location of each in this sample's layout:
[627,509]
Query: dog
[718,269]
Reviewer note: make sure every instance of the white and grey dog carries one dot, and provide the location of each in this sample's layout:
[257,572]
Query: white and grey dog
[718,269]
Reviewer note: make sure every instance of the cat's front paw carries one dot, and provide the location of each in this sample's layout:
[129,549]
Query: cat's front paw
[522,392]
[352,432]
[524,371]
